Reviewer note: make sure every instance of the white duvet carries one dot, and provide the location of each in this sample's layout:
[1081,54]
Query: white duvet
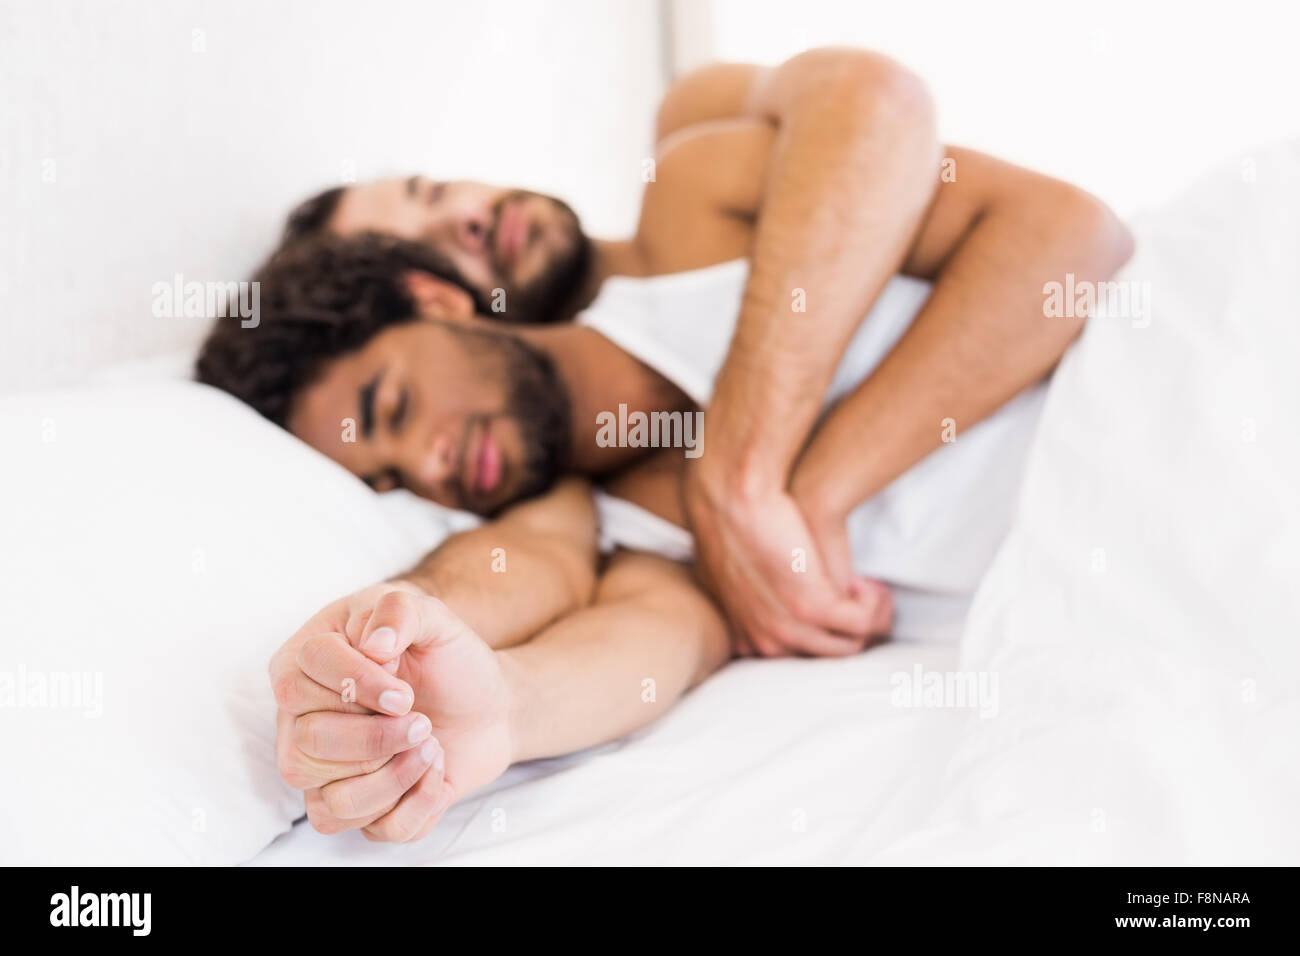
[1144,614]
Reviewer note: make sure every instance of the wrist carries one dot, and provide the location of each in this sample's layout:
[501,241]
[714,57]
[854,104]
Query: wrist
[412,584]
[820,498]
[734,478]
[518,722]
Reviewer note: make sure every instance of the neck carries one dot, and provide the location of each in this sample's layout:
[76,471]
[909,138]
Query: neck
[599,376]
[576,364]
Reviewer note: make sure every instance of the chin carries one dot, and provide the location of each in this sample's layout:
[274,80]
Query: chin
[492,508]
[487,505]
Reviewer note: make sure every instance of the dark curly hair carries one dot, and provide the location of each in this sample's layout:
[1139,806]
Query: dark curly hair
[310,216]
[319,298]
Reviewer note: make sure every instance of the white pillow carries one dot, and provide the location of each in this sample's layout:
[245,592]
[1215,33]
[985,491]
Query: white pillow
[164,540]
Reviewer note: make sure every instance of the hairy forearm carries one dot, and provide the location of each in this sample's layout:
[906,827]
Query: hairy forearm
[511,577]
[851,173]
[981,339]
[608,669]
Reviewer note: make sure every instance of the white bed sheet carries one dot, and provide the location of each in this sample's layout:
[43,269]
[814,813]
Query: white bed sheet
[768,762]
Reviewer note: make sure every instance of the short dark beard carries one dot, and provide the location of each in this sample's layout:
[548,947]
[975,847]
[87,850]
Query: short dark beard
[537,400]
[547,297]
[545,300]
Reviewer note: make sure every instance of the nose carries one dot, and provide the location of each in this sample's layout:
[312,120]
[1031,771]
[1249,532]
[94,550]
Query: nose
[435,464]
[472,232]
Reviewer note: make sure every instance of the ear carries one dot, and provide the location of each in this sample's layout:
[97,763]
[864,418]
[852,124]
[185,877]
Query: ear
[438,299]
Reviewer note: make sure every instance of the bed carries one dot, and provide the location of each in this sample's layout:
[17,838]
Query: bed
[1136,635]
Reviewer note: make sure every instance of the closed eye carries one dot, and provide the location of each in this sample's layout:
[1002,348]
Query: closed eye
[389,480]
[399,413]
[366,404]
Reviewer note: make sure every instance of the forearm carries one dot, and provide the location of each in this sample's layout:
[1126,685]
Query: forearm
[608,669]
[852,170]
[980,340]
[511,577]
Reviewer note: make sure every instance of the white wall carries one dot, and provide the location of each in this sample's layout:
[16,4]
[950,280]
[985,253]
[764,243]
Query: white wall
[130,151]
[1130,98]
[133,147]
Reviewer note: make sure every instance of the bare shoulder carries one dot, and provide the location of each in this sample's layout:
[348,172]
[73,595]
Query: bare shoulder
[715,91]
[700,207]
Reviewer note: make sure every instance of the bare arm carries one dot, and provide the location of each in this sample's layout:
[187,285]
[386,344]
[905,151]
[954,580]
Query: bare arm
[512,576]
[719,91]
[341,717]
[851,171]
[608,669]
[988,241]
[848,178]
[993,238]
[581,682]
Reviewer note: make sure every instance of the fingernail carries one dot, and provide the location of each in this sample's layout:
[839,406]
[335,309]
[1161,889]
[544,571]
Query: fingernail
[395,702]
[382,640]
[420,728]
[431,750]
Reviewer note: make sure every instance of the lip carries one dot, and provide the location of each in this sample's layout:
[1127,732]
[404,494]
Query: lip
[511,231]
[484,462]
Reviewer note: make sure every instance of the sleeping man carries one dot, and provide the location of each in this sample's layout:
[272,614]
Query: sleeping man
[784,206]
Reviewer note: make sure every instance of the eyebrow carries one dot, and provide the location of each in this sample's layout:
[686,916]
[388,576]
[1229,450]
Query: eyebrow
[412,184]
[366,400]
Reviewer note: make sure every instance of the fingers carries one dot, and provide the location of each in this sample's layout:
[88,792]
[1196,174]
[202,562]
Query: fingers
[400,619]
[782,635]
[800,638]
[430,823]
[851,610]
[361,798]
[297,693]
[847,615]
[837,555]
[832,626]
[356,737]
[323,821]
[305,772]
[764,643]
[416,814]
[877,596]
[330,661]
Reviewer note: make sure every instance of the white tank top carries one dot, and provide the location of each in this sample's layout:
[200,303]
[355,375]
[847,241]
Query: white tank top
[929,534]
